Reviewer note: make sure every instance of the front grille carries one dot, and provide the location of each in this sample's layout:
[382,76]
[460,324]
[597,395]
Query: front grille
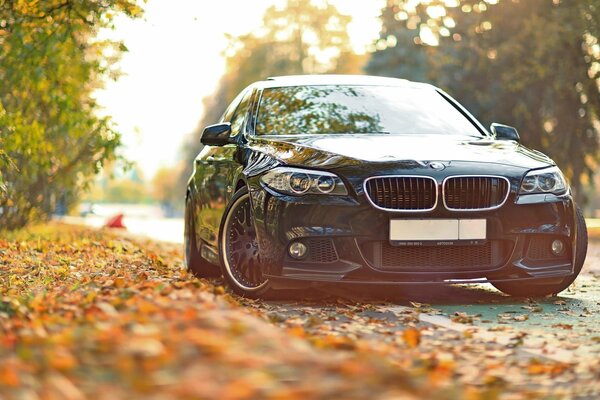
[490,255]
[321,251]
[475,192]
[405,193]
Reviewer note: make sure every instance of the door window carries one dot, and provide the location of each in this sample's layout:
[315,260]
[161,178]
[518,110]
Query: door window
[237,121]
[226,117]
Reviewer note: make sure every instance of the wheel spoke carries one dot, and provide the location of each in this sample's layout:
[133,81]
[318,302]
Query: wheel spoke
[243,267]
[241,217]
[250,274]
[238,229]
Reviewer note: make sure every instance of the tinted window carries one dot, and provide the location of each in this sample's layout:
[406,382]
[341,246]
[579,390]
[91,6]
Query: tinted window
[359,109]
[237,121]
[226,117]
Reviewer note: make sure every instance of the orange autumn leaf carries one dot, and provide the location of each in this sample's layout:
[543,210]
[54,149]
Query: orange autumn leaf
[412,337]
[119,282]
[9,375]
[62,359]
[536,367]
[563,326]
[146,307]
[207,341]
[334,341]
[297,331]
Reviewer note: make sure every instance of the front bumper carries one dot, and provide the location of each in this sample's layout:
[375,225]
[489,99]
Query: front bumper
[348,241]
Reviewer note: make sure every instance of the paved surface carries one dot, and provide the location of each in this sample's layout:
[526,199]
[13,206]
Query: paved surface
[163,229]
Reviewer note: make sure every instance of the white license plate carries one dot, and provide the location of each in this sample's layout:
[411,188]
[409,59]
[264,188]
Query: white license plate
[419,230]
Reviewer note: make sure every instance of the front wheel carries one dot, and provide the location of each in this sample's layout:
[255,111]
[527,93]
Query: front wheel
[523,290]
[238,249]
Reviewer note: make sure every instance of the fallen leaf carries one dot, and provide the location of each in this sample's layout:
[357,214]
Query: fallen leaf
[563,326]
[412,337]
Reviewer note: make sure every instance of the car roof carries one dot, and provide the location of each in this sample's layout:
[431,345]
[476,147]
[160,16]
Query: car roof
[326,79]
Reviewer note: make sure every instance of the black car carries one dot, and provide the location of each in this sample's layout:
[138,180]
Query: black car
[312,180]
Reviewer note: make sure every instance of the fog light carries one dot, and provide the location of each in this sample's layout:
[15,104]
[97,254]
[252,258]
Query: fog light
[297,250]
[558,247]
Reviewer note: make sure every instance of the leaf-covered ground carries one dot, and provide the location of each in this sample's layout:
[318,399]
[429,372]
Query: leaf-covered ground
[89,314]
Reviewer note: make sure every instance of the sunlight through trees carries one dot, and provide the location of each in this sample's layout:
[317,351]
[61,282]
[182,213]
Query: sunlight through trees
[532,64]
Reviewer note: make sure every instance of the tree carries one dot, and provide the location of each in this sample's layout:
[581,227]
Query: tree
[53,139]
[533,64]
[301,37]
[119,182]
[164,189]
[396,54]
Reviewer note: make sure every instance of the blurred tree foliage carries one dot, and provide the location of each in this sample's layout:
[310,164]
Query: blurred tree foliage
[534,64]
[119,182]
[165,189]
[52,137]
[300,37]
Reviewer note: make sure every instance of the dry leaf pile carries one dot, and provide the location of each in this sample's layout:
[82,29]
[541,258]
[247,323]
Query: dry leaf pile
[85,314]
[88,314]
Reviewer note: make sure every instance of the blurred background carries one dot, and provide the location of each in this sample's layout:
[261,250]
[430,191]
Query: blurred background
[168,69]
[199,56]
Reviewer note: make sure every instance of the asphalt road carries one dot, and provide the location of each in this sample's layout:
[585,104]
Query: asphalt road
[168,230]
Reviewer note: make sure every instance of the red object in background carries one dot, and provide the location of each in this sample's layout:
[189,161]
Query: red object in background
[115,222]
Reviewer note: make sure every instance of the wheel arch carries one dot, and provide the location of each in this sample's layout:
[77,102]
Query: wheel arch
[240,184]
[190,192]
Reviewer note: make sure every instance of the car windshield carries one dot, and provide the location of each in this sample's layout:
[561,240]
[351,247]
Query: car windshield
[335,109]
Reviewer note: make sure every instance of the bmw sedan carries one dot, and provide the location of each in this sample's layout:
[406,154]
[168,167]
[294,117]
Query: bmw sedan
[314,180]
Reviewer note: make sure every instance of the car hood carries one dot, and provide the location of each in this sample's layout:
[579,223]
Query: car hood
[330,151]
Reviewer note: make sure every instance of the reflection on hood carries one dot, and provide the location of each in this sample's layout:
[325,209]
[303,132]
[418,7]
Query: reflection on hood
[386,148]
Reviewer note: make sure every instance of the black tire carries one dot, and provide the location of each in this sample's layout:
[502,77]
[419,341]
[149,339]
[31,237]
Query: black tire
[238,249]
[194,262]
[521,289]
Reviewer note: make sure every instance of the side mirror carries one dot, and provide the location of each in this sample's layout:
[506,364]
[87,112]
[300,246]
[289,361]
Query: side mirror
[216,135]
[504,132]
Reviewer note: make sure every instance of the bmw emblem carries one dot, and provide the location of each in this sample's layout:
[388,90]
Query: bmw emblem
[437,166]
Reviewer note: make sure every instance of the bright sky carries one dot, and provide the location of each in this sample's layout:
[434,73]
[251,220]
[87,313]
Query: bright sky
[175,60]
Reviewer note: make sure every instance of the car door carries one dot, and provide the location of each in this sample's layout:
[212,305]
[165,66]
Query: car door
[217,169]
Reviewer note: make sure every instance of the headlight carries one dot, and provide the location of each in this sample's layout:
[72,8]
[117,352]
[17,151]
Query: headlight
[549,180]
[298,182]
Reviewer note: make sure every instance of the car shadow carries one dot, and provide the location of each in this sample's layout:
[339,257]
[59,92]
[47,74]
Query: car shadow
[441,295]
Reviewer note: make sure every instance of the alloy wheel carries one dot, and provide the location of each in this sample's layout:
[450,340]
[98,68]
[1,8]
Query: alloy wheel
[242,257]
